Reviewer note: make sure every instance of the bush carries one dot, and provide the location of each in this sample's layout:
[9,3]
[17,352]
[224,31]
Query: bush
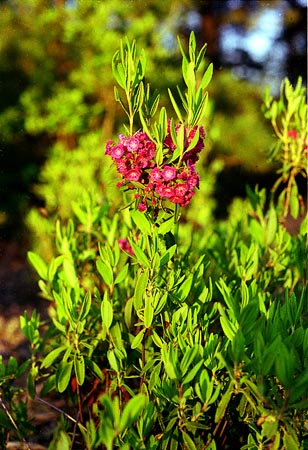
[167,331]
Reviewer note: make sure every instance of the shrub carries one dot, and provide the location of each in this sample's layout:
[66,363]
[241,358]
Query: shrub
[163,334]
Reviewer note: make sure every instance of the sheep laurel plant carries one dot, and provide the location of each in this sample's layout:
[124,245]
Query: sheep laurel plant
[158,345]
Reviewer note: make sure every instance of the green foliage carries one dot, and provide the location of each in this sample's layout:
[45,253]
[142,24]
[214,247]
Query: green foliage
[162,335]
[13,408]
[288,116]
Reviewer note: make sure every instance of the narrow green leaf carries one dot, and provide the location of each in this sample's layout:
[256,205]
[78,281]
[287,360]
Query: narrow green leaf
[86,305]
[70,273]
[132,411]
[121,275]
[105,271]
[52,356]
[53,266]
[207,77]
[79,367]
[81,215]
[175,106]
[294,201]
[140,255]
[184,289]
[223,404]
[39,265]
[189,356]
[157,339]
[290,442]
[113,361]
[95,369]
[166,227]
[31,385]
[128,312]
[271,227]
[64,375]
[106,312]
[138,338]
[141,284]
[142,221]
[189,443]
[193,372]
[148,312]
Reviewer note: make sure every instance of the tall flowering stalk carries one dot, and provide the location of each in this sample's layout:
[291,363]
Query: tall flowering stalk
[159,163]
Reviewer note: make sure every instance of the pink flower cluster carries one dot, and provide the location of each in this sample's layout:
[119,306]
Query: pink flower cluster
[134,158]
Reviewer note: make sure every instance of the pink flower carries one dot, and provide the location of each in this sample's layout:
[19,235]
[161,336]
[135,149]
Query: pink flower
[142,207]
[181,189]
[292,134]
[125,246]
[109,145]
[193,181]
[168,173]
[117,151]
[164,191]
[132,175]
[155,174]
[121,166]
[132,144]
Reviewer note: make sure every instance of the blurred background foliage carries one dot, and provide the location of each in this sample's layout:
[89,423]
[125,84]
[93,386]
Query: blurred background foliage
[57,106]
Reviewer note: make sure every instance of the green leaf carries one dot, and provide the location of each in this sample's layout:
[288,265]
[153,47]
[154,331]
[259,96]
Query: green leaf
[270,426]
[228,327]
[289,442]
[86,306]
[170,362]
[166,227]
[304,226]
[223,404]
[64,373]
[106,312]
[39,265]
[52,356]
[284,366]
[193,372]
[148,312]
[138,338]
[256,231]
[157,339]
[271,227]
[207,76]
[141,284]
[95,369]
[140,255]
[31,385]
[79,366]
[189,443]
[159,302]
[132,411]
[53,267]
[184,288]
[121,275]
[105,271]
[188,358]
[128,312]
[175,106]
[113,361]
[63,441]
[141,221]
[80,213]
[294,201]
[70,273]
